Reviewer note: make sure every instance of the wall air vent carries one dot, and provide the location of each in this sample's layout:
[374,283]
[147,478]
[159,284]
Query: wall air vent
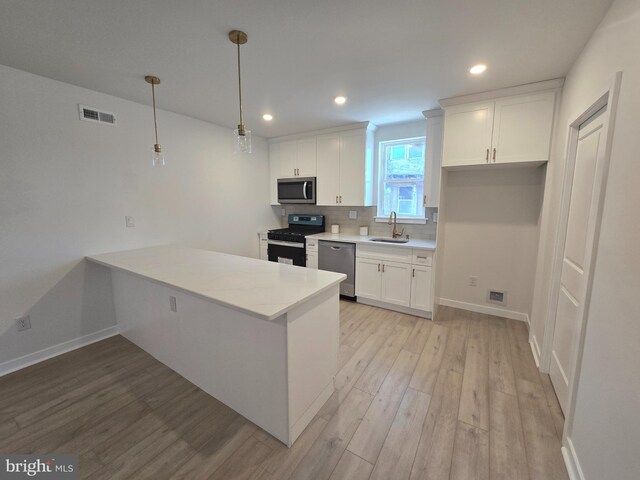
[91,114]
[497,296]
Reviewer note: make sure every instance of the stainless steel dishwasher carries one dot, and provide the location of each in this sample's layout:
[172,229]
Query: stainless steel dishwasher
[339,257]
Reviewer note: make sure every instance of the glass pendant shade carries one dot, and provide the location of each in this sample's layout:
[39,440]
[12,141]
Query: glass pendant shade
[242,141]
[157,158]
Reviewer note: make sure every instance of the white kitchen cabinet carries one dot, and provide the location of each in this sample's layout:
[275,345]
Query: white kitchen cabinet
[433,156]
[274,172]
[312,253]
[306,158]
[397,278]
[294,158]
[522,128]
[421,287]
[507,130]
[328,179]
[341,159]
[345,168]
[312,260]
[467,134]
[396,283]
[368,278]
[264,244]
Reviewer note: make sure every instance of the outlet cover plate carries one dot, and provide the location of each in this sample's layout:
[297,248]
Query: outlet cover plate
[23,323]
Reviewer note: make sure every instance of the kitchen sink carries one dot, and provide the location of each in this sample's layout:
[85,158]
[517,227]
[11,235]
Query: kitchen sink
[389,240]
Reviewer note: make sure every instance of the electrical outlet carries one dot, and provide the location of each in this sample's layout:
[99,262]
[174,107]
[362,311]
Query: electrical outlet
[129,221]
[23,323]
[353,214]
[173,304]
[473,280]
[283,212]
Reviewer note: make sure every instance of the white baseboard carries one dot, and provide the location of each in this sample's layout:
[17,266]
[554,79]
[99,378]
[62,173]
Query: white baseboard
[571,461]
[498,312]
[535,349]
[55,350]
[395,308]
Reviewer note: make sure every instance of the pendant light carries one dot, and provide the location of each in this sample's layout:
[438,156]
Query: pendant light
[242,142]
[157,159]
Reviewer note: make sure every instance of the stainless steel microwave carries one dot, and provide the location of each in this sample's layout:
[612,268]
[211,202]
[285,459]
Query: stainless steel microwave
[297,190]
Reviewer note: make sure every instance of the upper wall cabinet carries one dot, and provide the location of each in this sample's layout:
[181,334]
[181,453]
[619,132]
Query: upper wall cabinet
[510,130]
[297,158]
[341,159]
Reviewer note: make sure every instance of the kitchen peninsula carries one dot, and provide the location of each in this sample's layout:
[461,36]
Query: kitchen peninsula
[261,337]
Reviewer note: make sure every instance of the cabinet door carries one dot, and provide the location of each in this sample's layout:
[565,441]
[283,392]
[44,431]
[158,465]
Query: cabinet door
[306,161]
[421,288]
[274,172]
[368,276]
[396,283]
[467,134]
[433,161]
[352,168]
[288,154]
[522,128]
[328,169]
[312,260]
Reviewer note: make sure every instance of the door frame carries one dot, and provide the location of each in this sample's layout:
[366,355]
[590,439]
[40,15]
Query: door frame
[609,98]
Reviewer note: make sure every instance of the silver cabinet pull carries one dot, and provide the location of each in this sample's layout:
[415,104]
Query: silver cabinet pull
[378,267]
[336,198]
[340,198]
[487,157]
[413,274]
[418,256]
[383,268]
[494,155]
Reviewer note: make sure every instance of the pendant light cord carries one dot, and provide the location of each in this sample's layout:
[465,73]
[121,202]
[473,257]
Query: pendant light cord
[155,122]
[241,126]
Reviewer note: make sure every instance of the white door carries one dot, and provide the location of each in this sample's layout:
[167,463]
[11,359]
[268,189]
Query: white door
[522,128]
[467,134]
[573,280]
[288,154]
[274,172]
[352,163]
[368,273]
[396,283]
[328,169]
[306,161]
[421,287]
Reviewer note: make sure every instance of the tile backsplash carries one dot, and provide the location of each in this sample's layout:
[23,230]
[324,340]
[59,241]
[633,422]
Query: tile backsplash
[365,217]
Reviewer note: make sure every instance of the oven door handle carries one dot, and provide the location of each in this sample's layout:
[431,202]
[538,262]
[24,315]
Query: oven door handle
[286,244]
[304,190]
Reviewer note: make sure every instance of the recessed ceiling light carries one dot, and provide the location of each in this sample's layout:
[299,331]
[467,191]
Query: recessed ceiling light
[477,69]
[267,117]
[340,100]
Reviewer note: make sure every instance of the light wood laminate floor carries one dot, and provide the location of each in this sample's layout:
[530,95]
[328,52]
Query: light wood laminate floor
[459,398]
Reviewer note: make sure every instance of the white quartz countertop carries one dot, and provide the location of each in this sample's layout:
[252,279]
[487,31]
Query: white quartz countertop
[366,240]
[257,287]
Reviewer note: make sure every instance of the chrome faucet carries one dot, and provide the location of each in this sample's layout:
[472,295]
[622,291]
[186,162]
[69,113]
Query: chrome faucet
[393,220]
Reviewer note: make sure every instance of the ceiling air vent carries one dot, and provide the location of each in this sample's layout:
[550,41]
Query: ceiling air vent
[91,114]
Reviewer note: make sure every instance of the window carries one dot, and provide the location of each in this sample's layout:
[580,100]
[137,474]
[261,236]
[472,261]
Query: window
[401,178]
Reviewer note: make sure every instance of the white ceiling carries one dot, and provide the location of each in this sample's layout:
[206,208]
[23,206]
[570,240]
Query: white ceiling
[391,58]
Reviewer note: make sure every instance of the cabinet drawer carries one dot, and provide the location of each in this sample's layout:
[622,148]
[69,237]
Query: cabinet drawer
[384,253]
[312,245]
[422,257]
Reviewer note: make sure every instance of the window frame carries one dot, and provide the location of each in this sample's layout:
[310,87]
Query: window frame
[381,174]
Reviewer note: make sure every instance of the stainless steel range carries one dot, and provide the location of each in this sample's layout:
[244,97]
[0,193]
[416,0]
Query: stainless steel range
[287,245]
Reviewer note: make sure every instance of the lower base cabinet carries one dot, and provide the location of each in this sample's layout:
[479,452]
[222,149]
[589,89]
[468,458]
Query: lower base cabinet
[392,276]
[312,260]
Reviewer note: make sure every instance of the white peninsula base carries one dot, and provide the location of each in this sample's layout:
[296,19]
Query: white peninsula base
[276,373]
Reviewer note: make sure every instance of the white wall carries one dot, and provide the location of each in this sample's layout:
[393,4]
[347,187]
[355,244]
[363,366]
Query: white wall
[66,186]
[606,423]
[489,228]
